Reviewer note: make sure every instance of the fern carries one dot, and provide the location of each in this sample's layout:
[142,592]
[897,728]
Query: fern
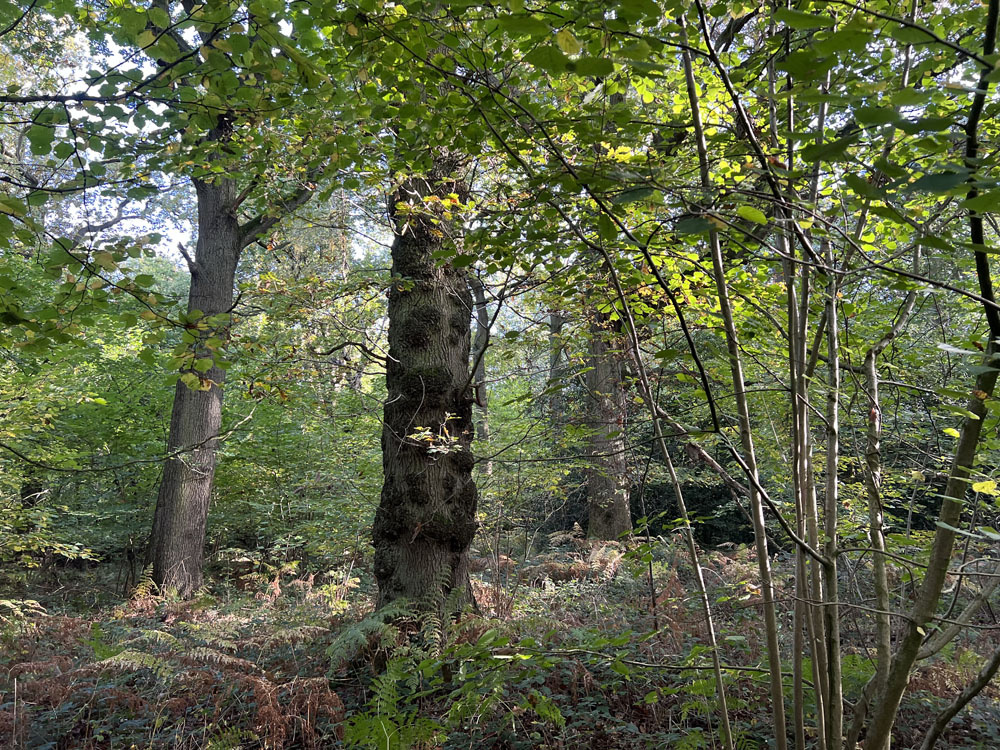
[392,723]
[145,586]
[211,656]
[19,609]
[217,635]
[131,660]
[375,627]
[289,635]
[161,637]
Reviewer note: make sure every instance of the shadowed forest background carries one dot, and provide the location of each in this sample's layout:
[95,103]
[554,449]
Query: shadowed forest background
[517,375]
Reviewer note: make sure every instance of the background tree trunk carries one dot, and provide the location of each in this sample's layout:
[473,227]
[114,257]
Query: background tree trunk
[178,538]
[427,515]
[607,473]
[557,372]
[480,344]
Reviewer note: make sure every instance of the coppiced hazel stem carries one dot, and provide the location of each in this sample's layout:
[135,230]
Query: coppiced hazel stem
[971,690]
[953,498]
[873,485]
[739,388]
[944,636]
[831,612]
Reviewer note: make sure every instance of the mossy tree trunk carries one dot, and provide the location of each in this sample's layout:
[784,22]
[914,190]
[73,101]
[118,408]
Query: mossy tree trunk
[427,515]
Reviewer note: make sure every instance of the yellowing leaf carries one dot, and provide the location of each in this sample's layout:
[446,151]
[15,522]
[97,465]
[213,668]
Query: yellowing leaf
[10,206]
[951,431]
[987,487]
[568,43]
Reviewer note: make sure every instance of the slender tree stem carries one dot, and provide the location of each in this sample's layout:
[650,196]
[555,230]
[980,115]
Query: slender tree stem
[743,409]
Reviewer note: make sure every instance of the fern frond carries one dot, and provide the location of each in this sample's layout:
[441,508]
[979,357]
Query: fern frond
[211,656]
[145,586]
[131,660]
[161,637]
[289,635]
[376,626]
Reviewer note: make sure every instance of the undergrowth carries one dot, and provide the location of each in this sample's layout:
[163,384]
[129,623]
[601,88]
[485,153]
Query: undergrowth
[572,648]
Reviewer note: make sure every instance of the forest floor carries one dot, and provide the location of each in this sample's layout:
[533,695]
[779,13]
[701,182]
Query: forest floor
[573,648]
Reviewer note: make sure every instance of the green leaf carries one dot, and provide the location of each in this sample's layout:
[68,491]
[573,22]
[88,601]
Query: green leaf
[955,529]
[620,668]
[606,228]
[939,182]
[159,17]
[598,67]
[862,187]
[525,25]
[64,149]
[12,206]
[40,138]
[842,40]
[909,35]
[983,203]
[692,225]
[831,151]
[796,19]
[925,124]
[876,115]
[752,214]
[638,9]
[633,195]
[548,58]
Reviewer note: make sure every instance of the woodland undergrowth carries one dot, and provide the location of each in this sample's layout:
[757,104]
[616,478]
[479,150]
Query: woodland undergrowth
[574,646]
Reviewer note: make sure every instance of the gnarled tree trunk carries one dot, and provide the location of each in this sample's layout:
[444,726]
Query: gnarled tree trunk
[427,515]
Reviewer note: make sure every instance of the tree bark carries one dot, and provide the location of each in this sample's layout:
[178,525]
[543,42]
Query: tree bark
[427,515]
[607,471]
[178,537]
